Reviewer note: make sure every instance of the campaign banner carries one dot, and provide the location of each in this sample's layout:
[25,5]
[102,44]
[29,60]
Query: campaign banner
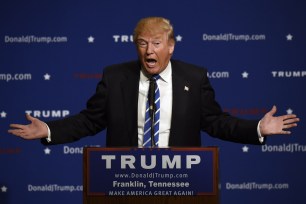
[151,171]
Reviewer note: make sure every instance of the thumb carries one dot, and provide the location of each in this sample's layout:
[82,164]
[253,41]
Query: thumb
[273,110]
[29,117]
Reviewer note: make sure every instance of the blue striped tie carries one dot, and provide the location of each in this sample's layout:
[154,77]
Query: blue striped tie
[148,121]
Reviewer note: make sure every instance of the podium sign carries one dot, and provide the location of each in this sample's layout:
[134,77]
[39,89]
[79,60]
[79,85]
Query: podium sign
[150,172]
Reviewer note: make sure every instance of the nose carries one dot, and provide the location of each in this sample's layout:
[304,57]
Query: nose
[150,49]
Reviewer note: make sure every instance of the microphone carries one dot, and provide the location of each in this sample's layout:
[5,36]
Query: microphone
[151,97]
[152,108]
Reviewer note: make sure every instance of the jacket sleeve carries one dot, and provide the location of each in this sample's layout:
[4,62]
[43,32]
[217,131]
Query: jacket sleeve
[222,125]
[88,122]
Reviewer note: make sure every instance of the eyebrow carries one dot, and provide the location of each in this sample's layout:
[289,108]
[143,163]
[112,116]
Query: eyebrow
[156,38]
[143,40]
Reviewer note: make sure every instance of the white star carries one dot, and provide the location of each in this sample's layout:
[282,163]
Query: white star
[47,76]
[3,189]
[186,88]
[245,74]
[179,38]
[3,114]
[91,39]
[245,149]
[47,150]
[289,37]
[289,111]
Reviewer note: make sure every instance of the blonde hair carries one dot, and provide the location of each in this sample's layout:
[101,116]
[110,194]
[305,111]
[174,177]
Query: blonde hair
[153,25]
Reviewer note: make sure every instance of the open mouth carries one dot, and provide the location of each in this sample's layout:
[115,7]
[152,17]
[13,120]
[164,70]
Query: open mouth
[151,62]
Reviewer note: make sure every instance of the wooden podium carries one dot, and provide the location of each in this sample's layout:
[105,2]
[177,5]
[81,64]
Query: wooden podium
[98,198]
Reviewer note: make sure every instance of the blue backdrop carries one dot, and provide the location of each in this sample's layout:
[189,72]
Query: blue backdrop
[52,54]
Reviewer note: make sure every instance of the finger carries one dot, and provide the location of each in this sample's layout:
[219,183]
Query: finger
[11,131]
[284,132]
[289,126]
[289,121]
[291,116]
[17,126]
[19,133]
[16,132]
[23,135]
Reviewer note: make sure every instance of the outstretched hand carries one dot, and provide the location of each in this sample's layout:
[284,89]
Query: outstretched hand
[272,125]
[35,130]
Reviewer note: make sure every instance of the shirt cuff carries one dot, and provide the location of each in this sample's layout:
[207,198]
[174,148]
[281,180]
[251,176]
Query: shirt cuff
[260,137]
[49,134]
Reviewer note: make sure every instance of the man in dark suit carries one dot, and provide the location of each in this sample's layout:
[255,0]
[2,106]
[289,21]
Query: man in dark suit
[187,102]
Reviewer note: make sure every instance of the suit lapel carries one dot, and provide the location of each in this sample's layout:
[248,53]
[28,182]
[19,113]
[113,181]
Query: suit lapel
[180,98]
[130,88]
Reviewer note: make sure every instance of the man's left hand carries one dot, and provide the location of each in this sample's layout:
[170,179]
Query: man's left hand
[272,125]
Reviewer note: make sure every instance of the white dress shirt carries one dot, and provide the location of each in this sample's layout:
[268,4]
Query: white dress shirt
[165,89]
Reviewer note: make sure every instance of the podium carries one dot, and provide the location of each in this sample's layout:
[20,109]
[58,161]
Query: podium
[150,175]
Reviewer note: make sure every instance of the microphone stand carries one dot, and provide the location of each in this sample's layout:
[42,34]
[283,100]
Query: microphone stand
[152,130]
[152,109]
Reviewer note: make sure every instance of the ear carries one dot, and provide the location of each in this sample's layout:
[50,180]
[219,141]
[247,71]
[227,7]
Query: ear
[171,47]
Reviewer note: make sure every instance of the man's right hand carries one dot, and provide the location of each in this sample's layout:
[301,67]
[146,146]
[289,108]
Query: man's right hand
[35,130]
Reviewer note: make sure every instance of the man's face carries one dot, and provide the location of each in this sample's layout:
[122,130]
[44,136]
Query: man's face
[154,51]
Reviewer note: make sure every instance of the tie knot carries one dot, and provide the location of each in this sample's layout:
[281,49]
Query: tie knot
[154,77]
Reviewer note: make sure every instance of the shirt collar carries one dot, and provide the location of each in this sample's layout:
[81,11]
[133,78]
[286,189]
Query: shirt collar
[164,75]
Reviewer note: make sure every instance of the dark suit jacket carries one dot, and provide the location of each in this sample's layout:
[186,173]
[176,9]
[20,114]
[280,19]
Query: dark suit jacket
[114,107]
